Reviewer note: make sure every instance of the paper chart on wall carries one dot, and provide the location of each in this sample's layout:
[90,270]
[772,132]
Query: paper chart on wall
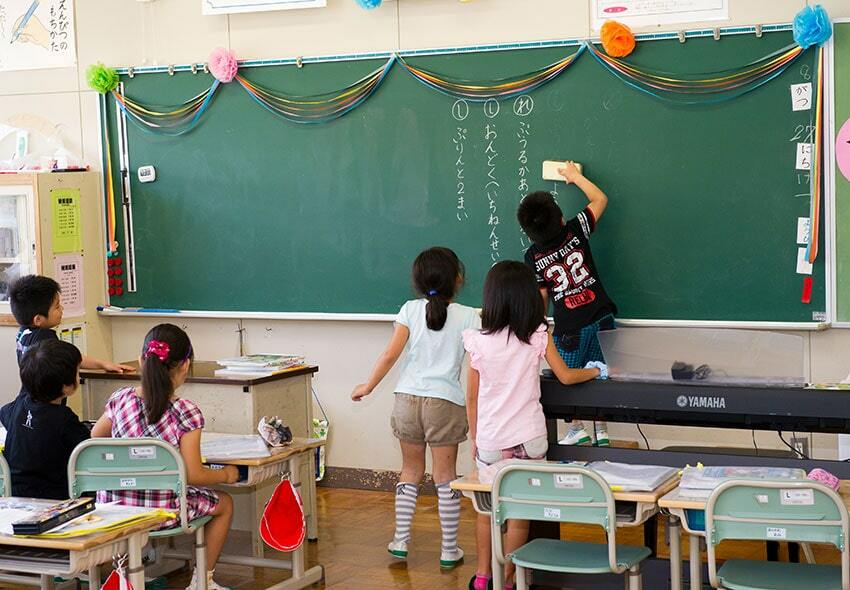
[67,235]
[37,34]
[68,271]
[640,13]
[73,334]
[234,6]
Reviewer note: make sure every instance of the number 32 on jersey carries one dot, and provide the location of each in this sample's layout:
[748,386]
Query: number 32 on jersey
[571,274]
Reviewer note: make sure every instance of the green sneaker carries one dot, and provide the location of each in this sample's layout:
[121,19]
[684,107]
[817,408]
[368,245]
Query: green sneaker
[602,437]
[450,559]
[397,549]
[576,435]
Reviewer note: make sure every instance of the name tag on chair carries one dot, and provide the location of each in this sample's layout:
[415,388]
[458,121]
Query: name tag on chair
[572,481]
[143,452]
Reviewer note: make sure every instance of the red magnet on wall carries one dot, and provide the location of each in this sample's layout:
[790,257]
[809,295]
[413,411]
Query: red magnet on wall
[807,290]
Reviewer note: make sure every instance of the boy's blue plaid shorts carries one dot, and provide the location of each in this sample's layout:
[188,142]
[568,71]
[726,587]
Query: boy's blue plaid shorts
[578,349]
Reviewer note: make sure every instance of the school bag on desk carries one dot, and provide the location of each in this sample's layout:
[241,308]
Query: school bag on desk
[282,526]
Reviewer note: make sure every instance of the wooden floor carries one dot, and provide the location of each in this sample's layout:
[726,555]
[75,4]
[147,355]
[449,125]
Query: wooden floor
[355,526]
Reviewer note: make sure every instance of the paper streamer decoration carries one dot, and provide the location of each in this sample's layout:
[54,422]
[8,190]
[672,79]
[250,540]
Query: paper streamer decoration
[617,39]
[223,65]
[812,26]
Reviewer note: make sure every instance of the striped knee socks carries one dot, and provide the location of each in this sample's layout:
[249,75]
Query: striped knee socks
[448,504]
[405,506]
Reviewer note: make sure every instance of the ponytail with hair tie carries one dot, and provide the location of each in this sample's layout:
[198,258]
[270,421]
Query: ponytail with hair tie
[437,273]
[166,347]
[159,349]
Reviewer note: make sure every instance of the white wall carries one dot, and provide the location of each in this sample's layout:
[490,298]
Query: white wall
[126,32]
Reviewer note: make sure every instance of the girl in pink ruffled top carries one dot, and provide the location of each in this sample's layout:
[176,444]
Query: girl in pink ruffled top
[506,418]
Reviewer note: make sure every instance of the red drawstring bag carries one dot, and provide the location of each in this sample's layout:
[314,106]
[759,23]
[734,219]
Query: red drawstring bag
[282,526]
[117,580]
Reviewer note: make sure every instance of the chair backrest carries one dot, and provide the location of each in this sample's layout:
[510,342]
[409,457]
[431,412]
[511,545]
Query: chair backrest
[128,464]
[799,510]
[554,493]
[5,478]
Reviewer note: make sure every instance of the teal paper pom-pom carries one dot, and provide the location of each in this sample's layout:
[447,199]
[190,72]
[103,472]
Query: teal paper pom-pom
[369,4]
[101,78]
[812,26]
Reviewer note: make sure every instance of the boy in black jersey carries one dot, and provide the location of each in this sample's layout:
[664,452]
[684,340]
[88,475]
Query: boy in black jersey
[566,273]
[41,431]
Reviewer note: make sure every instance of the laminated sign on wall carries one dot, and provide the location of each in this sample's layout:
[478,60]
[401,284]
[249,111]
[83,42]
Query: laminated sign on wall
[232,6]
[643,13]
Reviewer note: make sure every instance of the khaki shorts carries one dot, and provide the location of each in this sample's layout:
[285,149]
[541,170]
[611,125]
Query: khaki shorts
[418,419]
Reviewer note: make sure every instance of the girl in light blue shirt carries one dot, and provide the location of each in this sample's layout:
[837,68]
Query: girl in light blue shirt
[429,401]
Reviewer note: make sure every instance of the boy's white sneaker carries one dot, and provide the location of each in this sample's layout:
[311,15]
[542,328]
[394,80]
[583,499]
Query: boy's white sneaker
[211,585]
[398,549]
[602,439]
[450,559]
[576,435]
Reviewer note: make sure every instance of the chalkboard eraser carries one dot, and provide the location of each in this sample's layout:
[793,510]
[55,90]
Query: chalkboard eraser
[550,169]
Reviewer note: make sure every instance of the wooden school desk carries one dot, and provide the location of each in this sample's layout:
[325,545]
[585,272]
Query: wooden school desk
[646,506]
[678,506]
[284,461]
[72,556]
[232,405]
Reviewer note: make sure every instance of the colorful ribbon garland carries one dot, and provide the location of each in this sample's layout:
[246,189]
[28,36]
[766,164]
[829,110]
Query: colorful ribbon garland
[710,87]
[815,178]
[111,245]
[498,89]
[702,88]
[319,108]
[174,122]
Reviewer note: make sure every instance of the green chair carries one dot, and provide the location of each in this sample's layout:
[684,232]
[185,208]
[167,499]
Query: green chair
[125,464]
[561,493]
[801,511]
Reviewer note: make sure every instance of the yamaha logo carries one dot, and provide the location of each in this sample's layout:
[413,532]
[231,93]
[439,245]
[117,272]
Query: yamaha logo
[701,401]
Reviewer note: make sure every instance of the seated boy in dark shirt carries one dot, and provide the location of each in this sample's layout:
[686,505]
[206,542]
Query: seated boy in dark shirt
[34,300]
[41,431]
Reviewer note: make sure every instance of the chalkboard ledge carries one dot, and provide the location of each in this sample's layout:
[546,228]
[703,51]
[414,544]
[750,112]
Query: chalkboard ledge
[389,317]
[251,315]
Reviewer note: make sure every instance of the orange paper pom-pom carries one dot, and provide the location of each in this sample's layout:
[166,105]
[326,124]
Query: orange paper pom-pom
[617,39]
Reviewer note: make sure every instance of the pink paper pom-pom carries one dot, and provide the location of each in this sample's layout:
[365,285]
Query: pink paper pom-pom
[222,64]
[825,477]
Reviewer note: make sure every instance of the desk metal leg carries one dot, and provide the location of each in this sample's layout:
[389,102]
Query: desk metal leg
[300,578]
[135,569]
[675,553]
[498,567]
[308,489]
[695,563]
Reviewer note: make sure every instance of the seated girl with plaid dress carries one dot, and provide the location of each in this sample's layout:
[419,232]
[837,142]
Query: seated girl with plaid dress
[154,410]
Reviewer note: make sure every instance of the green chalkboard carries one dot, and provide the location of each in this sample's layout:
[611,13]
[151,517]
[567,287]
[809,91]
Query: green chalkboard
[841,52]
[252,213]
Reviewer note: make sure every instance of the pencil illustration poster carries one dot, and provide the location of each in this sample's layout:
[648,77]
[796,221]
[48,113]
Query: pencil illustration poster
[36,34]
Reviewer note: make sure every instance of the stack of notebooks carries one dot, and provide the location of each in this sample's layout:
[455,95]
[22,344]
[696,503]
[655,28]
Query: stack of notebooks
[258,365]
[71,518]
[699,482]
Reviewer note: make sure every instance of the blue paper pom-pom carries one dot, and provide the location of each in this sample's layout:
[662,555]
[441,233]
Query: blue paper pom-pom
[369,4]
[812,26]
